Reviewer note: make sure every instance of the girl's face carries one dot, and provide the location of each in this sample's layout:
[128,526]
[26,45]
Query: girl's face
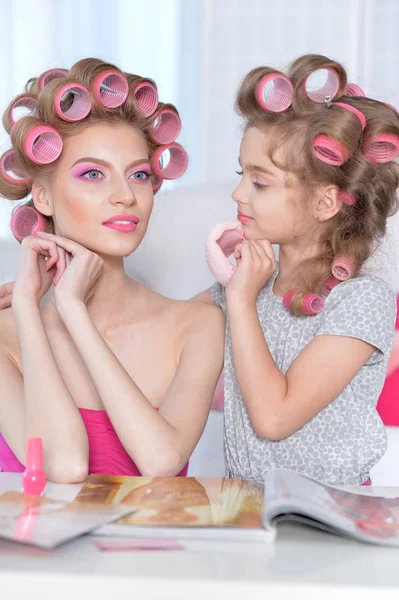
[100,194]
[270,203]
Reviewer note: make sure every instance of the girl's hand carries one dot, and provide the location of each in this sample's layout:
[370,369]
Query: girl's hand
[41,263]
[6,294]
[256,263]
[77,281]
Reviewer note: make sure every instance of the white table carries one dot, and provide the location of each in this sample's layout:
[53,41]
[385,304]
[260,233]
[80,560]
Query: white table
[302,563]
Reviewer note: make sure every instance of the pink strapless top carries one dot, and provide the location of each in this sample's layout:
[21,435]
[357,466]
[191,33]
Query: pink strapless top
[107,456]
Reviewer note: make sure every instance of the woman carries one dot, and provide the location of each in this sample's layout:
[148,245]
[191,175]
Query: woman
[113,377]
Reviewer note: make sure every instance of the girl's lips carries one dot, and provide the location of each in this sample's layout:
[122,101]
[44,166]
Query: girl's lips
[243,218]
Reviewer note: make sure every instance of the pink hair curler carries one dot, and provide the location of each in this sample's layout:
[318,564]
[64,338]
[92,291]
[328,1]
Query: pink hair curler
[50,76]
[347,198]
[329,150]
[381,149]
[26,221]
[172,166]
[110,89]
[321,85]
[220,244]
[355,111]
[43,144]
[312,303]
[11,168]
[343,268]
[157,182]
[354,90]
[34,478]
[72,102]
[329,285]
[166,127]
[23,106]
[146,95]
[274,93]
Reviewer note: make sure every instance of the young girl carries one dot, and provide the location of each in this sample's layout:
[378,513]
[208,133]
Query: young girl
[308,339]
[104,370]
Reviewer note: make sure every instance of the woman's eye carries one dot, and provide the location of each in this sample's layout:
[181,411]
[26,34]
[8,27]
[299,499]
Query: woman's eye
[93,174]
[141,176]
[239,172]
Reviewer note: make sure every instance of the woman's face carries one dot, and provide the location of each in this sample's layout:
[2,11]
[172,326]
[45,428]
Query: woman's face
[100,193]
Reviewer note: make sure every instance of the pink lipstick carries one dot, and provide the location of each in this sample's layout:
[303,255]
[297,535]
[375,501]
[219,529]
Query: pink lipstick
[122,223]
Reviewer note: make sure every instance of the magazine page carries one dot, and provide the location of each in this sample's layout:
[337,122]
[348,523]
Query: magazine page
[163,504]
[47,523]
[372,519]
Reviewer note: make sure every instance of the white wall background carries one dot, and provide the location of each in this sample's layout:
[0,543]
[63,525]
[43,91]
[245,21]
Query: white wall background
[198,51]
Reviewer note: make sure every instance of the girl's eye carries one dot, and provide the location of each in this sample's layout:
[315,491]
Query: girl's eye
[239,172]
[92,174]
[260,186]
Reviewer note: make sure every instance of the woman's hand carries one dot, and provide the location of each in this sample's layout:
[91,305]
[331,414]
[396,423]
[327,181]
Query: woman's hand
[6,294]
[76,281]
[41,263]
[256,264]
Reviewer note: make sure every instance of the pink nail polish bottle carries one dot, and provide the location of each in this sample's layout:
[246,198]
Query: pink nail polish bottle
[34,478]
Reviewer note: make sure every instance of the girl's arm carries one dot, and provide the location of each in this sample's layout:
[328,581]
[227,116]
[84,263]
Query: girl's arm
[204,296]
[159,442]
[38,403]
[278,404]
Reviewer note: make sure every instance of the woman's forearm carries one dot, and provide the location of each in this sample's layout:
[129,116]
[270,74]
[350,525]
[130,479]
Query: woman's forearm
[49,410]
[151,442]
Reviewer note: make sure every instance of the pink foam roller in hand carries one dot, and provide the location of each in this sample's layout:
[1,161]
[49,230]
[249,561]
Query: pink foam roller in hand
[166,127]
[72,102]
[274,93]
[170,162]
[220,244]
[43,144]
[26,221]
[110,89]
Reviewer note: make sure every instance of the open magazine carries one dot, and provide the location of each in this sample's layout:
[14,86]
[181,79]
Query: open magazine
[48,523]
[234,509]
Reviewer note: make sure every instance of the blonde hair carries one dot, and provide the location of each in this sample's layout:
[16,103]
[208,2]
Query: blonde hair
[356,230]
[83,72]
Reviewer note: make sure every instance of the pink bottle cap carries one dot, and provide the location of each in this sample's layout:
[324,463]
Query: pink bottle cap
[26,221]
[354,90]
[382,148]
[146,95]
[329,150]
[23,106]
[321,85]
[166,127]
[50,76]
[43,144]
[72,102]
[170,162]
[274,93]
[111,89]
[11,168]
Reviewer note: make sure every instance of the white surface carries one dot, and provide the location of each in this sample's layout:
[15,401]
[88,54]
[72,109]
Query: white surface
[302,561]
